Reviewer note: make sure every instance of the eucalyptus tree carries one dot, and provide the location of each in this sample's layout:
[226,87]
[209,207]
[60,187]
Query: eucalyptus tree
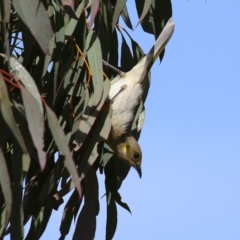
[55,115]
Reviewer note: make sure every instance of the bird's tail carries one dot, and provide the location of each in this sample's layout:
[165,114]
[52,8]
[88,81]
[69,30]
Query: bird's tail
[147,61]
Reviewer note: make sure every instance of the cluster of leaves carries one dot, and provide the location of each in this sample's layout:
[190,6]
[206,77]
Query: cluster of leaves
[54,109]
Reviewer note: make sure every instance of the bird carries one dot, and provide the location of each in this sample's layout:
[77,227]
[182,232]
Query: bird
[125,92]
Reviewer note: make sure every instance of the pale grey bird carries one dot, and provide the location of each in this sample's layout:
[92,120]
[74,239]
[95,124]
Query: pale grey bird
[125,91]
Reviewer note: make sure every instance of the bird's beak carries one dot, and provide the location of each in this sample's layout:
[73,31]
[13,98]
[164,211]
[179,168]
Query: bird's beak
[139,170]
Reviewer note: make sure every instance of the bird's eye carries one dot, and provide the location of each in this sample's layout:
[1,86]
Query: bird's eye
[136,155]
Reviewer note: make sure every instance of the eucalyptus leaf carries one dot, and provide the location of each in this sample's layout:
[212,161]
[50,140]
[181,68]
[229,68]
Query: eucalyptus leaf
[126,17]
[147,4]
[34,15]
[35,123]
[94,10]
[117,11]
[7,114]
[62,144]
[52,56]
[17,206]
[94,55]
[33,107]
[86,223]
[5,183]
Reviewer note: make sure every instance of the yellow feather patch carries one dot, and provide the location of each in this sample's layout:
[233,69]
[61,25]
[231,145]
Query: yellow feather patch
[124,149]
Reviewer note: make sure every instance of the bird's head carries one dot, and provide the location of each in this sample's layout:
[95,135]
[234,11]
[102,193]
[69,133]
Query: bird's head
[130,152]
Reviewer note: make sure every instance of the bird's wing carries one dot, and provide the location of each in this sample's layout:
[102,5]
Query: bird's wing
[125,100]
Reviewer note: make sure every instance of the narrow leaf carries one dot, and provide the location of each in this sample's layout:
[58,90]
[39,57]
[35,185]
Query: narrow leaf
[86,223]
[69,212]
[34,15]
[68,6]
[21,73]
[5,14]
[73,23]
[136,49]
[62,144]
[117,11]
[89,117]
[125,17]
[33,108]
[94,55]
[35,124]
[147,4]
[26,162]
[157,16]
[7,114]
[126,56]
[118,199]
[106,128]
[94,10]
[111,225]
[99,132]
[6,188]
[16,220]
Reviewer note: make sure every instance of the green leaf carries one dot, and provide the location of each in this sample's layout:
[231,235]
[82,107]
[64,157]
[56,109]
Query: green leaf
[62,145]
[111,225]
[34,15]
[6,111]
[115,172]
[103,29]
[26,162]
[78,112]
[6,188]
[94,10]
[35,226]
[2,214]
[126,56]
[17,206]
[73,23]
[117,11]
[122,170]
[103,135]
[48,186]
[126,18]
[159,13]
[90,152]
[136,49]
[68,7]
[99,132]
[118,200]
[86,223]
[59,38]
[89,117]
[69,212]
[94,55]
[5,14]
[33,108]
[147,4]
[5,7]
[111,181]
[21,73]
[39,222]
[35,123]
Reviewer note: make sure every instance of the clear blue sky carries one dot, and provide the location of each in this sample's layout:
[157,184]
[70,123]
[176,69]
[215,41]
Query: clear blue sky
[190,188]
